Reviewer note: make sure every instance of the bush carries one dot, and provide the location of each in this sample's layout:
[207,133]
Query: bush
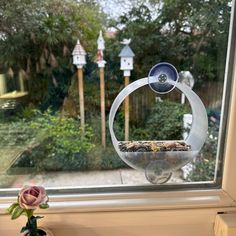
[64,134]
[203,170]
[204,166]
[104,159]
[77,161]
[60,145]
[100,158]
[164,122]
[17,133]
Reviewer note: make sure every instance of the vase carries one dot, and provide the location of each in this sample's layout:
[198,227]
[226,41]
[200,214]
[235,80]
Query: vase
[42,232]
[45,232]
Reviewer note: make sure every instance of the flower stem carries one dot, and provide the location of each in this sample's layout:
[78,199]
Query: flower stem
[31,223]
[29,213]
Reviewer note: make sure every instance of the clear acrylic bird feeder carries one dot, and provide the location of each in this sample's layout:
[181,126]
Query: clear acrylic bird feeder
[159,164]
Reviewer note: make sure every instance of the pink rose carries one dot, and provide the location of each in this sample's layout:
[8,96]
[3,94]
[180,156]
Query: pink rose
[31,197]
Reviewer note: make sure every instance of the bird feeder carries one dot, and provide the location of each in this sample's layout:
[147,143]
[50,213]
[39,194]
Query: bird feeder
[126,59]
[79,55]
[164,157]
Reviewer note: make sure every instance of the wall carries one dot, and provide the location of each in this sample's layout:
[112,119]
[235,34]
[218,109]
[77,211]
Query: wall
[163,223]
[192,222]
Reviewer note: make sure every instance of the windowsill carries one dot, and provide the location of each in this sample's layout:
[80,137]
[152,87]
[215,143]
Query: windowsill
[134,201]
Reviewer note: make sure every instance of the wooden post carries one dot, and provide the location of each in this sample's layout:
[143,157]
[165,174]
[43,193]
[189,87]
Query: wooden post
[79,60]
[101,65]
[126,111]
[21,82]
[126,64]
[81,96]
[3,87]
[103,115]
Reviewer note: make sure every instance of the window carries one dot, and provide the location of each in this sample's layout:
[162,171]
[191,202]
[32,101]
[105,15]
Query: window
[47,139]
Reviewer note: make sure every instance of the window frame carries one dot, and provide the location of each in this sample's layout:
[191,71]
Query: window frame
[221,194]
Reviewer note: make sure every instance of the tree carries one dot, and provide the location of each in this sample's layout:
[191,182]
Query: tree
[37,37]
[190,34]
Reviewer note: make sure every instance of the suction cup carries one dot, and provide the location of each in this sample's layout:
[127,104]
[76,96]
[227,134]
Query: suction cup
[159,75]
[155,172]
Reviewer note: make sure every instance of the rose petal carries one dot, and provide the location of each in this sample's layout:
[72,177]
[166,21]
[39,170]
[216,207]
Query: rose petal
[25,188]
[24,206]
[29,199]
[42,190]
[34,191]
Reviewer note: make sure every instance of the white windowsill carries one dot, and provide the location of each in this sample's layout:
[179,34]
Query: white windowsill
[134,201]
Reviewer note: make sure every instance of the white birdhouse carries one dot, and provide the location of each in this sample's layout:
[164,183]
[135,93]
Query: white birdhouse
[101,47]
[126,60]
[79,55]
[101,42]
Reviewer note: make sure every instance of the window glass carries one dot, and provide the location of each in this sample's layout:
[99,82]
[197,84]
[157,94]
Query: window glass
[54,103]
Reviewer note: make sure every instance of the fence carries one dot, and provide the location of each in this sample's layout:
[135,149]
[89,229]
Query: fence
[143,99]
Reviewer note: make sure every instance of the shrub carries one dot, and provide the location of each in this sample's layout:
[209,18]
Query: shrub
[164,122]
[203,170]
[204,166]
[59,143]
[100,158]
[64,134]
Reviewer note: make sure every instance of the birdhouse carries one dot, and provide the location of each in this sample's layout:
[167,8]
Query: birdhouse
[79,55]
[101,42]
[101,46]
[126,59]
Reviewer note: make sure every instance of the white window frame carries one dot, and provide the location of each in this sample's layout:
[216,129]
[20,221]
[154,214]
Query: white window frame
[222,199]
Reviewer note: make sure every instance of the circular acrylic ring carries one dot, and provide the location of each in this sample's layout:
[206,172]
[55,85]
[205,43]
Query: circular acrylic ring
[159,76]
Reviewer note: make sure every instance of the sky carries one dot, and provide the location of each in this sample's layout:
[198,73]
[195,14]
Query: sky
[115,8]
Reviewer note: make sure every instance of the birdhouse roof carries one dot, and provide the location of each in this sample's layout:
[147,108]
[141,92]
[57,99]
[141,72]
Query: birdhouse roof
[78,50]
[126,52]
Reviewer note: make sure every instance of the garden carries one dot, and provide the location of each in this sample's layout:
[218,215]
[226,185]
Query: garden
[40,130]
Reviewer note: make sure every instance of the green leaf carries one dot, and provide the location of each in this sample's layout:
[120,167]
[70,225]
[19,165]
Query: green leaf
[44,206]
[17,212]
[12,207]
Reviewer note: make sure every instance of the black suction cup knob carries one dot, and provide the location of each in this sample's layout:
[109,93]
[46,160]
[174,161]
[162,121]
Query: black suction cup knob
[155,172]
[159,75]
